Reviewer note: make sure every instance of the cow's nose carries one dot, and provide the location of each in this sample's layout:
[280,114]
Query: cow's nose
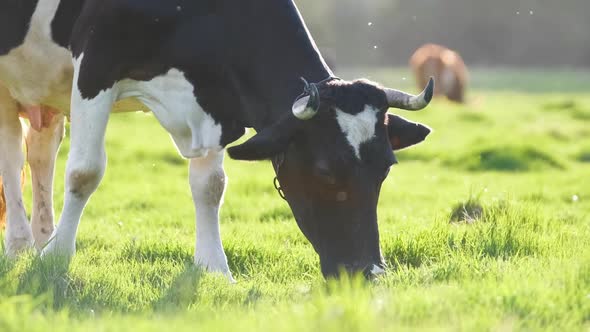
[377,270]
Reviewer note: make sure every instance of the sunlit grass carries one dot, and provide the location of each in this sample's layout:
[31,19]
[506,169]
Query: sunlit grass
[484,226]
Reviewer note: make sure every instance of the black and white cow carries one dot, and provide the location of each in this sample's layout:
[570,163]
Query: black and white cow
[207,69]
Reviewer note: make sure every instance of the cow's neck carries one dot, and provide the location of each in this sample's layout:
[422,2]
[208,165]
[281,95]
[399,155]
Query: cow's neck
[279,51]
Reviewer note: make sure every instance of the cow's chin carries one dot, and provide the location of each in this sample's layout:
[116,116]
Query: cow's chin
[370,269]
[336,260]
[345,238]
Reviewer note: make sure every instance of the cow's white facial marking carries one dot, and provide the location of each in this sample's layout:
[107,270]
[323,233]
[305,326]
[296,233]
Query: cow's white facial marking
[171,98]
[358,128]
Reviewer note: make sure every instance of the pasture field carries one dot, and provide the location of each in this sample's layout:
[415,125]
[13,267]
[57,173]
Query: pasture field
[485,226]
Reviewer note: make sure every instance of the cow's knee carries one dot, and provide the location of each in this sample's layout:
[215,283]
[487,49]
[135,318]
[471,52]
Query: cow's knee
[208,179]
[82,181]
[210,187]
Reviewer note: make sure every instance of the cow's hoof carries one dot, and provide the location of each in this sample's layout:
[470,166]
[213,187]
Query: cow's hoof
[215,266]
[14,245]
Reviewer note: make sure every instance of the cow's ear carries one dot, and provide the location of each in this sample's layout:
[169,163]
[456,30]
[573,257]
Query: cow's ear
[403,133]
[268,142]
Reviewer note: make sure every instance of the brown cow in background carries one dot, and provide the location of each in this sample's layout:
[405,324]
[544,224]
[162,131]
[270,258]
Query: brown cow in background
[447,68]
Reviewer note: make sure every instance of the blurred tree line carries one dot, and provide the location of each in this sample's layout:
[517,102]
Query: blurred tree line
[485,32]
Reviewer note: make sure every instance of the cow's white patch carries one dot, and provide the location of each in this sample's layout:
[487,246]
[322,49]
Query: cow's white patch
[358,128]
[196,135]
[171,98]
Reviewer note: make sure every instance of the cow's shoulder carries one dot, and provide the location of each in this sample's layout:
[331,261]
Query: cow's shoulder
[15,19]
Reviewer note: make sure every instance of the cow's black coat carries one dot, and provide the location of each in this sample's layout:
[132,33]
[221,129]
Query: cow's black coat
[243,57]
[15,16]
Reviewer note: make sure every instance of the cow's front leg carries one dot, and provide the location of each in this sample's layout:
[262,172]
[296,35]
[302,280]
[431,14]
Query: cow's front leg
[207,180]
[85,166]
[42,148]
[18,232]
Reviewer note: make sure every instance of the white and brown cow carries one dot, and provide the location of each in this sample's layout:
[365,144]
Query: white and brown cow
[447,68]
[207,70]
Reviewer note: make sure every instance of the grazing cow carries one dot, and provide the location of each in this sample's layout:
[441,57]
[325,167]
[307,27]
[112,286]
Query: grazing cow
[447,68]
[207,69]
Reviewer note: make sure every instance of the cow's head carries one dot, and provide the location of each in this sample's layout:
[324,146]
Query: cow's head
[331,154]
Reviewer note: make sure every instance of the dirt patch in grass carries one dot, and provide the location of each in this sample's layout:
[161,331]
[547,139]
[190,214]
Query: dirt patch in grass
[570,107]
[473,117]
[506,159]
[584,155]
[559,105]
[467,212]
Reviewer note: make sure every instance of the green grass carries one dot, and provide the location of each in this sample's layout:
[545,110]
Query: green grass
[510,162]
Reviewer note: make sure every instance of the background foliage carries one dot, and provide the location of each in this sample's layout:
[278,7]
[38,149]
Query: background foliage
[500,32]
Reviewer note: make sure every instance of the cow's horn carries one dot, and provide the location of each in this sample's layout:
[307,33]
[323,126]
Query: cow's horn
[308,104]
[406,101]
